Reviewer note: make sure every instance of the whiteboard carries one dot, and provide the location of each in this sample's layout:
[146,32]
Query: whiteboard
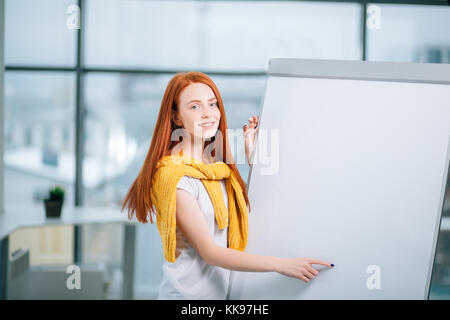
[363,157]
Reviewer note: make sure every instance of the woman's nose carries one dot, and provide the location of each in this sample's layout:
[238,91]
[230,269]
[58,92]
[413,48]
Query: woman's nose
[206,113]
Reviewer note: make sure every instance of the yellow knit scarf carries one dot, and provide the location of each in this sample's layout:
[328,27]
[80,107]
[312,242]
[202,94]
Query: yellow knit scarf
[169,170]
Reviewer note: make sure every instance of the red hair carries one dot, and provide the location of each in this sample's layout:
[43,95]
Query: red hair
[138,200]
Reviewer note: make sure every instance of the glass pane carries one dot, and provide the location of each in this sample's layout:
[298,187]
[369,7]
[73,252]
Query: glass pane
[218,34]
[36,32]
[408,33]
[39,152]
[103,244]
[47,245]
[440,282]
[121,115]
[39,136]
[122,112]
[242,98]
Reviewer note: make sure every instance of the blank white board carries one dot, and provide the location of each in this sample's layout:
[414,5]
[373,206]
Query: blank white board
[363,159]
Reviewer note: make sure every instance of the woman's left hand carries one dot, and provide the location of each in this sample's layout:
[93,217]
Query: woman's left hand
[250,131]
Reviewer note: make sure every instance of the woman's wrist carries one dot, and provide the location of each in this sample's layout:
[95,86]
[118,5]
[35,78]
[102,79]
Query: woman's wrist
[248,155]
[277,264]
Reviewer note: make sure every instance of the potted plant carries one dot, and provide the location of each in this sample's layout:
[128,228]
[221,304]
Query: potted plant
[54,203]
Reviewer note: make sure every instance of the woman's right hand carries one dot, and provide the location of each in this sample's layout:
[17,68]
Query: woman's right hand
[300,268]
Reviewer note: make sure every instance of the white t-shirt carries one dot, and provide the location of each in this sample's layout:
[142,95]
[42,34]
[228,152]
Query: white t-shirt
[190,277]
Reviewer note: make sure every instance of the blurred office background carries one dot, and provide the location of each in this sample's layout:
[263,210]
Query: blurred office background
[81,104]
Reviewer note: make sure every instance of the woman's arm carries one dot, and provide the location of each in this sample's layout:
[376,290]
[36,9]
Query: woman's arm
[242,261]
[193,225]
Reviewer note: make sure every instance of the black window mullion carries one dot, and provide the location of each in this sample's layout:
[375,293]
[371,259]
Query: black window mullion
[79,133]
[363,30]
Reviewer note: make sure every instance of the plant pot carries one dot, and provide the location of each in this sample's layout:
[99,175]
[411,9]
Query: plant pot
[53,208]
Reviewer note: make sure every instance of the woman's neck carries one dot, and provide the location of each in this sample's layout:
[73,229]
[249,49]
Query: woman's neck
[193,151]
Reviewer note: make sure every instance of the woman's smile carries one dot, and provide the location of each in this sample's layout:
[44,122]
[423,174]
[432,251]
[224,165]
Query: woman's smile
[207,125]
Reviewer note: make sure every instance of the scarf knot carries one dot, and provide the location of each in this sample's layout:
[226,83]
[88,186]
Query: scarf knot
[169,170]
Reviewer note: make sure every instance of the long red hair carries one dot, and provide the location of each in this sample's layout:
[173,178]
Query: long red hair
[138,200]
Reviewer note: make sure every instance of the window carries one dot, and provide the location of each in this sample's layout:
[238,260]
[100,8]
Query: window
[36,33]
[39,135]
[218,35]
[410,33]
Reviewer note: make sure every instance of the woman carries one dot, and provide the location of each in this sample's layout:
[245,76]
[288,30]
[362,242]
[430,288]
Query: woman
[199,197]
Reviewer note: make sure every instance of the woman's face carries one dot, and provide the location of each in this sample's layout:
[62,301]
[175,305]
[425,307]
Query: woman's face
[198,111]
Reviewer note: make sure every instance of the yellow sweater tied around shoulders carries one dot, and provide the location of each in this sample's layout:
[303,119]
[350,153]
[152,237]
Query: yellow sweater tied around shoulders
[169,171]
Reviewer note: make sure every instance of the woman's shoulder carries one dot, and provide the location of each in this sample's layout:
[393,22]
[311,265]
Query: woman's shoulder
[189,184]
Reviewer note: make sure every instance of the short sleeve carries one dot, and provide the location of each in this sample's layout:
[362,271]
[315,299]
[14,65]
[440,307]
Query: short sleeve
[188,183]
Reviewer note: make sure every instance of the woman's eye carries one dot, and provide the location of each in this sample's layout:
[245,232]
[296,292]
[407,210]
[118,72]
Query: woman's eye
[196,106]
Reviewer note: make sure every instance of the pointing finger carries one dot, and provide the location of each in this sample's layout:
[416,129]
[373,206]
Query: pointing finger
[322,262]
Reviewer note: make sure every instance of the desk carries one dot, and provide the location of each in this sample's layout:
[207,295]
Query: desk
[34,216]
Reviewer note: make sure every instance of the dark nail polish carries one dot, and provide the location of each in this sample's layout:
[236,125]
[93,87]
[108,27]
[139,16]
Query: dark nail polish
[332,265]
